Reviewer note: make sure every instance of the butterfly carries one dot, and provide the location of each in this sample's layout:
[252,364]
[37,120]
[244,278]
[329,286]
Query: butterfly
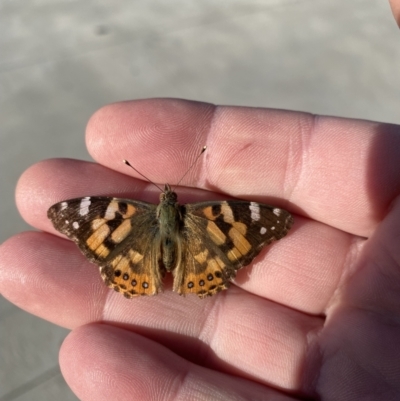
[135,243]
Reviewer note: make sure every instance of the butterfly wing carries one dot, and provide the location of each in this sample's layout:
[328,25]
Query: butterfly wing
[218,238]
[121,236]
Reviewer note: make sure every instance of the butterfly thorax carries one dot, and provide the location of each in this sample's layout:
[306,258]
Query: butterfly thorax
[169,218]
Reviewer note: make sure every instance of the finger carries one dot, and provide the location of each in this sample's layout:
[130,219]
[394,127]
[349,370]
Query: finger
[53,281]
[375,281]
[395,5]
[301,271]
[338,171]
[48,275]
[361,336]
[100,362]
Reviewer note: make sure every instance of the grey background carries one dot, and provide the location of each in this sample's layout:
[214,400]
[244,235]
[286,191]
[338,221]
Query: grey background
[61,60]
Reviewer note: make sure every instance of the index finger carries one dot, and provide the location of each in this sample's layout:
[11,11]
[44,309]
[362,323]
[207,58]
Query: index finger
[338,171]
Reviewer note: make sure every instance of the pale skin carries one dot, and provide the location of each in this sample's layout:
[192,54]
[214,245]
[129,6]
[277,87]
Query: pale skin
[315,316]
[395,5]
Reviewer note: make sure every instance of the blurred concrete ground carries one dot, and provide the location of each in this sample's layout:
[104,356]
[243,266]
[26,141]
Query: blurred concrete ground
[62,60]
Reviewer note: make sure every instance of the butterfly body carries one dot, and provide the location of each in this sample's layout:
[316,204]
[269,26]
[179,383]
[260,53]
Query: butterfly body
[202,244]
[169,218]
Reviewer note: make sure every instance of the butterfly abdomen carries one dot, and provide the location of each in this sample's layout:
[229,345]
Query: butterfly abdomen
[169,218]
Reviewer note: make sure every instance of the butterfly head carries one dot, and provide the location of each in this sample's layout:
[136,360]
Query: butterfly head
[168,195]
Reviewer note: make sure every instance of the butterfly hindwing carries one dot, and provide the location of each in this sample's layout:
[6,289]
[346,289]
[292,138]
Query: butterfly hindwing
[133,273]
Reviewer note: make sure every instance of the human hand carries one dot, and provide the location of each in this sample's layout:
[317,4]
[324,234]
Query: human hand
[315,315]
[395,5]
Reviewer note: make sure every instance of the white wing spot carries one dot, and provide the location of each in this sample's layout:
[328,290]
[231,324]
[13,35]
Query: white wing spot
[75,224]
[263,230]
[273,228]
[277,212]
[64,205]
[84,207]
[255,211]
[66,222]
[110,212]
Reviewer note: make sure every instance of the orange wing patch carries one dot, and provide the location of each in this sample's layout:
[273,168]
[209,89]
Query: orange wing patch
[130,276]
[208,282]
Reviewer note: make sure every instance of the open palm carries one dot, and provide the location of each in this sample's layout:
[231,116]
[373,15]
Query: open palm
[316,316]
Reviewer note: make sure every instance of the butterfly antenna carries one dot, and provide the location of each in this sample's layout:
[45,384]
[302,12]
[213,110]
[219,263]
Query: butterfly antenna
[130,165]
[195,161]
